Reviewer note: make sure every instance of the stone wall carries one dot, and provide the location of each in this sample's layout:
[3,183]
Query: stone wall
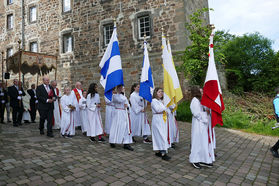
[85,22]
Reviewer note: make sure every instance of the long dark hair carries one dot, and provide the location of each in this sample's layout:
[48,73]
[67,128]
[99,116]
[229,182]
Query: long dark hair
[92,89]
[133,87]
[155,93]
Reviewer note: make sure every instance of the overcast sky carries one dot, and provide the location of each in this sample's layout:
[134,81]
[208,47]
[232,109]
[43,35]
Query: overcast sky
[247,16]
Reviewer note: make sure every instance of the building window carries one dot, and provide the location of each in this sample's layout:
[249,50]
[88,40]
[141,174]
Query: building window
[67,43]
[108,30]
[144,26]
[66,5]
[10,21]
[34,46]
[10,52]
[32,14]
[9,2]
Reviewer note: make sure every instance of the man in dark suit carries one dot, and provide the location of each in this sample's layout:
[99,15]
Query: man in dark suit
[33,102]
[46,96]
[16,92]
[3,100]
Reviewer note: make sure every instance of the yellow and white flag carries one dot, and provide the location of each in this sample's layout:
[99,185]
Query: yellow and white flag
[172,90]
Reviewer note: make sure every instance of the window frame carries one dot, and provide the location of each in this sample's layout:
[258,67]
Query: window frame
[63,42]
[110,24]
[12,21]
[63,6]
[36,14]
[139,26]
[30,46]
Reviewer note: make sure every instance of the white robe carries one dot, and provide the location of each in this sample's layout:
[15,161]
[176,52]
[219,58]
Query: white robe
[109,115]
[159,126]
[76,104]
[26,107]
[83,114]
[120,127]
[139,122]
[56,111]
[95,126]
[201,149]
[173,126]
[67,119]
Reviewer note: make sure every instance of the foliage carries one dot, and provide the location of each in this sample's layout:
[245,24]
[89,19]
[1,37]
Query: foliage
[183,112]
[252,64]
[250,112]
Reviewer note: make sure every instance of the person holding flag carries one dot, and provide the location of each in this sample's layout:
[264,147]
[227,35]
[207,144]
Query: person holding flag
[212,93]
[111,77]
[139,95]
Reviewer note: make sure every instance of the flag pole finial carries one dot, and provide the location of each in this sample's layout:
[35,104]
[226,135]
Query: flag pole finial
[114,22]
[162,29]
[144,37]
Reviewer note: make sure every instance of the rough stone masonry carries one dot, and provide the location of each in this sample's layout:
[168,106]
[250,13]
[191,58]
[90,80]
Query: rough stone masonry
[85,22]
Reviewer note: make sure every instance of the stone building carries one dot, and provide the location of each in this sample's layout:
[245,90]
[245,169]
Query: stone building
[78,31]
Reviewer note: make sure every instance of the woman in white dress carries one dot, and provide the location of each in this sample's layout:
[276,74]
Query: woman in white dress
[159,125]
[67,117]
[139,122]
[109,114]
[202,152]
[95,126]
[83,112]
[120,131]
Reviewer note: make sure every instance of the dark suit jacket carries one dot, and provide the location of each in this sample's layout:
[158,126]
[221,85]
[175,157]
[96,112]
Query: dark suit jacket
[42,96]
[13,93]
[32,95]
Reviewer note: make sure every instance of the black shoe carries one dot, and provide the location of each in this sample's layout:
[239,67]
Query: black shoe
[84,133]
[33,122]
[159,154]
[112,145]
[101,140]
[25,121]
[68,136]
[63,136]
[173,145]
[92,139]
[128,147]
[274,153]
[147,141]
[42,132]
[15,125]
[50,135]
[196,165]
[209,165]
[166,157]
[79,127]
[134,141]
[3,122]
[9,121]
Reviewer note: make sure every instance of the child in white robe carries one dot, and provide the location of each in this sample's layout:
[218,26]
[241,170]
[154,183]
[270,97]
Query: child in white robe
[159,125]
[139,122]
[120,132]
[95,126]
[67,117]
[202,152]
[26,107]
[109,115]
[83,112]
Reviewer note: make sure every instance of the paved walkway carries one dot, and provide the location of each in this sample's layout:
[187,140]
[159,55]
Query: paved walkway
[26,158]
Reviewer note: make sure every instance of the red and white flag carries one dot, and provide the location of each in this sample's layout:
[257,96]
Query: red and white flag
[212,93]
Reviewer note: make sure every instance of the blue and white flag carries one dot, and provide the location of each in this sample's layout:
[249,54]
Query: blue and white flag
[146,79]
[111,68]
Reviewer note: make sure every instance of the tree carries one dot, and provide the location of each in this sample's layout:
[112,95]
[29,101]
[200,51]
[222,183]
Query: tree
[251,63]
[195,58]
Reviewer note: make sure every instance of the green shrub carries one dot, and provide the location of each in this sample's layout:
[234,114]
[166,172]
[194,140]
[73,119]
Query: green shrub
[183,112]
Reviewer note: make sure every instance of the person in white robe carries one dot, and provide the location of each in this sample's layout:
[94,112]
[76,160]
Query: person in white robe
[109,115]
[83,112]
[139,122]
[202,152]
[57,109]
[67,119]
[76,95]
[95,126]
[173,126]
[26,107]
[159,125]
[120,131]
